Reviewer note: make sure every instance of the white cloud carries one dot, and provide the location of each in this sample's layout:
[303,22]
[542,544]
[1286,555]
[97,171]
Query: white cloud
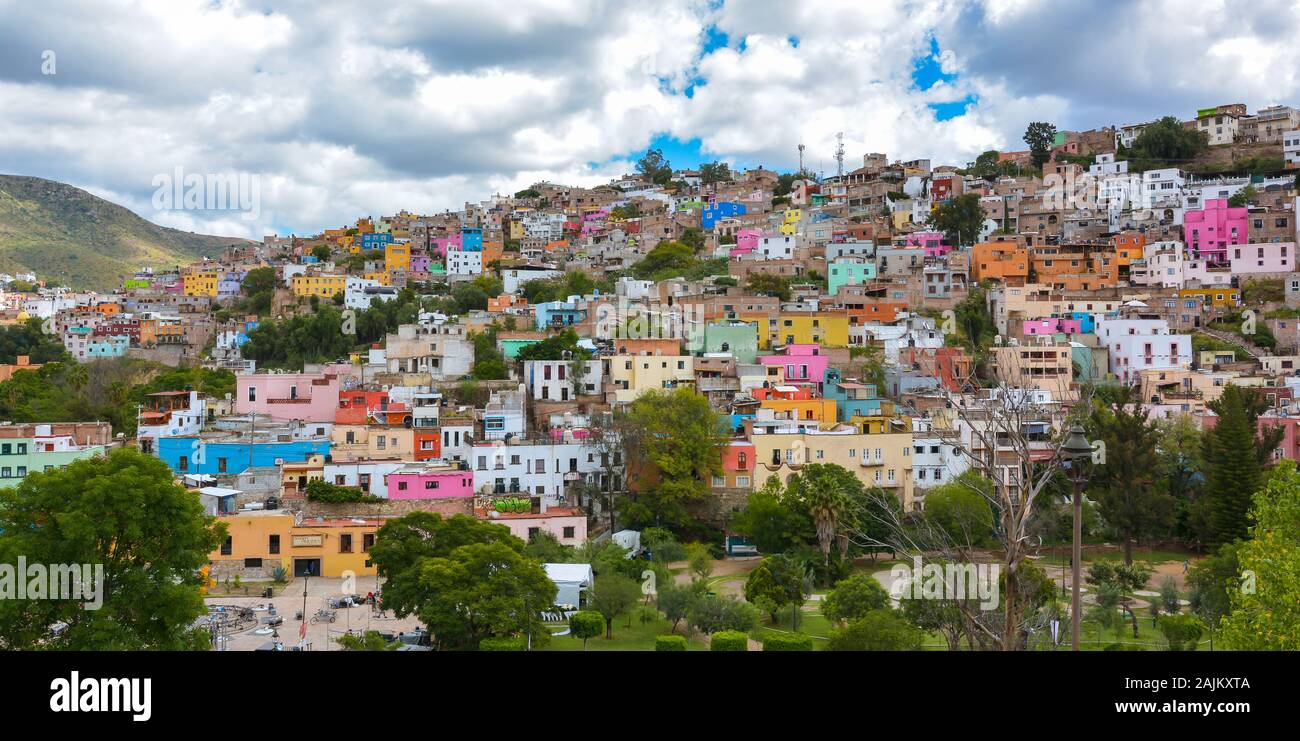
[345,110]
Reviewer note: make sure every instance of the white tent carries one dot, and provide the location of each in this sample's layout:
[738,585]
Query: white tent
[571,579]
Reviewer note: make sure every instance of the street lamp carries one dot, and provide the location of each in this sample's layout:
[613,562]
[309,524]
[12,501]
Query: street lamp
[1076,450]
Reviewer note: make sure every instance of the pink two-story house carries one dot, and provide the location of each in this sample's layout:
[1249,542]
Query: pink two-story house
[1211,230]
[803,363]
[430,482]
[309,397]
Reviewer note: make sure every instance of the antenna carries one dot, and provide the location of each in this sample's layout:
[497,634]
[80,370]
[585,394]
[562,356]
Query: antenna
[839,155]
[801,148]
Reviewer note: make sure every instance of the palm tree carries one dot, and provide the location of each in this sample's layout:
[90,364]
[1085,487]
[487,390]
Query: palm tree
[826,503]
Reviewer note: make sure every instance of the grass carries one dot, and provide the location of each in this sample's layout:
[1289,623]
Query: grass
[1149,555]
[639,637]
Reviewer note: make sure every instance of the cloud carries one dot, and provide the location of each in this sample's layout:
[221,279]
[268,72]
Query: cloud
[344,110]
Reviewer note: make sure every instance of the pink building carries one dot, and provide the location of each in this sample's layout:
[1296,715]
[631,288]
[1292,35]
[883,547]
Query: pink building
[746,242]
[420,263]
[931,241]
[567,524]
[1263,257]
[1211,230]
[430,482]
[803,363]
[1052,326]
[439,246]
[310,397]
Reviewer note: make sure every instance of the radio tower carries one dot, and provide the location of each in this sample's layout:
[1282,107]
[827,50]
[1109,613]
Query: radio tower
[801,148]
[839,155]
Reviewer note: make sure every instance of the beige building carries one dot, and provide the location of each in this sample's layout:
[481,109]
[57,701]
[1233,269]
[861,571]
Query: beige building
[629,376]
[349,443]
[1042,366]
[881,460]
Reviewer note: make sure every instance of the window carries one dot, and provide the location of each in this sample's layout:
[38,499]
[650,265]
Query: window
[568,531]
[367,542]
[345,543]
[227,546]
[252,563]
[252,393]
[719,481]
[274,545]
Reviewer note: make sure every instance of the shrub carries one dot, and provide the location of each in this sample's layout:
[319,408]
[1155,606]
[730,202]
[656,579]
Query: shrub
[502,643]
[788,642]
[586,624]
[1181,632]
[1122,647]
[670,643]
[729,640]
[854,597]
[726,613]
[323,491]
[878,630]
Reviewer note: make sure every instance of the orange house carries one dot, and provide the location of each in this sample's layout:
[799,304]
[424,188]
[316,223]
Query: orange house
[999,260]
[428,443]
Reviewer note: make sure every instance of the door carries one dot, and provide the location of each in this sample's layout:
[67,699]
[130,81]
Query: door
[306,567]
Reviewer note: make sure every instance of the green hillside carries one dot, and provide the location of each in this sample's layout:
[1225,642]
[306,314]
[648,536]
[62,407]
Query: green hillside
[69,236]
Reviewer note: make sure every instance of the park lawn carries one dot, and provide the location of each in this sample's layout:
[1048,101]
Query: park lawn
[639,637]
[1148,555]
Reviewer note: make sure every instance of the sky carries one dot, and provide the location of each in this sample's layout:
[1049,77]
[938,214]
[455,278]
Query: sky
[337,110]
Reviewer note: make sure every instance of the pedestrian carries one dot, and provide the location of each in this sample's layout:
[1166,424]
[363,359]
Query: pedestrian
[1184,566]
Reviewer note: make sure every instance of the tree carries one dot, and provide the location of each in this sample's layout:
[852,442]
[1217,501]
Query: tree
[1040,136]
[768,284]
[770,522]
[586,624]
[258,288]
[715,172]
[1167,141]
[1179,463]
[878,630]
[1211,582]
[699,561]
[613,595]
[986,164]
[777,582]
[672,441]
[677,600]
[123,512]
[321,252]
[1235,464]
[961,509]
[1266,600]
[1243,197]
[1181,632]
[1125,486]
[427,573]
[960,219]
[854,598]
[31,340]
[371,640]
[824,493]
[666,260]
[711,614]
[653,166]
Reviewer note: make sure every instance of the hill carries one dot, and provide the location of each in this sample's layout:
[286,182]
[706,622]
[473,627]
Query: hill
[67,235]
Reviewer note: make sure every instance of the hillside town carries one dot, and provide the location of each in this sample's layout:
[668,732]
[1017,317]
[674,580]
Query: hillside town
[661,362]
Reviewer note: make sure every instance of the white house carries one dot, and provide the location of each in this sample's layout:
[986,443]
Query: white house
[552,380]
[1140,344]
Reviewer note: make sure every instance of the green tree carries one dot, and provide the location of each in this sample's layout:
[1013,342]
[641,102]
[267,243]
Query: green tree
[1235,459]
[878,630]
[854,598]
[613,595]
[672,440]
[771,522]
[715,172]
[711,614]
[960,509]
[586,624]
[653,166]
[1040,136]
[960,219]
[321,252]
[777,582]
[371,640]
[677,600]
[258,288]
[1181,632]
[29,339]
[1125,487]
[1243,197]
[125,512]
[1167,141]
[768,284]
[666,260]
[1266,603]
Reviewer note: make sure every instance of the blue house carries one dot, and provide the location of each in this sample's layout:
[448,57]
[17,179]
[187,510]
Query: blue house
[851,399]
[375,241]
[714,212]
[558,314]
[471,239]
[193,455]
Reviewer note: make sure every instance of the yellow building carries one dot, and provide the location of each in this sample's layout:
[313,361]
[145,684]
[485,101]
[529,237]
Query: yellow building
[200,281]
[317,284]
[397,257]
[350,443]
[818,410]
[257,542]
[1216,296]
[879,460]
[801,328]
[629,376]
[378,275]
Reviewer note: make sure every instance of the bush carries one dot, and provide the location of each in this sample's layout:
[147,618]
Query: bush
[854,597]
[1181,632]
[1122,647]
[670,643]
[323,491]
[729,640]
[878,630]
[714,614]
[787,642]
[586,624]
[503,643]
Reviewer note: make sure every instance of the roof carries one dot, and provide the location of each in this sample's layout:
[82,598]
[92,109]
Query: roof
[571,573]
